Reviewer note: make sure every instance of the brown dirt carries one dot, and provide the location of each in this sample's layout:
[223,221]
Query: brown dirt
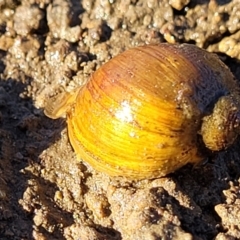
[45,193]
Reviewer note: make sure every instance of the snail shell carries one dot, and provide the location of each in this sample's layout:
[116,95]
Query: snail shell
[152,109]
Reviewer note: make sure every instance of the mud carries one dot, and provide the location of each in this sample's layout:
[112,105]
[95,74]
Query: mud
[45,193]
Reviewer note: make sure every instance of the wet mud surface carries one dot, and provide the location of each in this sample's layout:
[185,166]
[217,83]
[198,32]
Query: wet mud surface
[45,192]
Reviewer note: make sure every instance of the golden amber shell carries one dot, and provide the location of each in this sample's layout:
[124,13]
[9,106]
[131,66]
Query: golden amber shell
[140,114]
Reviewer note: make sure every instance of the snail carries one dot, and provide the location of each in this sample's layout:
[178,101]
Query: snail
[151,110]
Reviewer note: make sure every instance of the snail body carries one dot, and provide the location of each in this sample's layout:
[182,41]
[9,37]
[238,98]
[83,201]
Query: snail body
[151,110]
